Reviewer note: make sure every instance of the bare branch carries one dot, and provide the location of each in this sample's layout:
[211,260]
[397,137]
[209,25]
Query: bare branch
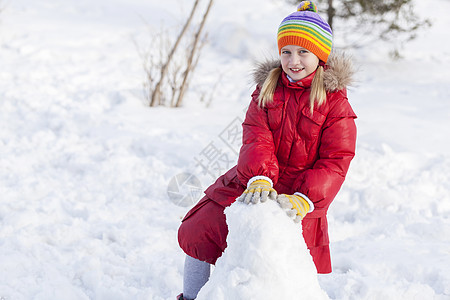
[156,95]
[191,57]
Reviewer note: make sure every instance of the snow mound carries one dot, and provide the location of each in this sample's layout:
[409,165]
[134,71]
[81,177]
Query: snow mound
[266,258]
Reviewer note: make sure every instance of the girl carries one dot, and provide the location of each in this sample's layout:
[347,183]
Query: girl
[299,137]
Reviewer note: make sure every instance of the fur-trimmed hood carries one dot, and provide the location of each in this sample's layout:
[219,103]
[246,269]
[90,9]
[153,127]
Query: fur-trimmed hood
[338,73]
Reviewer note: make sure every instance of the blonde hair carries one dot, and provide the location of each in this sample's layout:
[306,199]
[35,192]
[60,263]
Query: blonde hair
[268,87]
[317,96]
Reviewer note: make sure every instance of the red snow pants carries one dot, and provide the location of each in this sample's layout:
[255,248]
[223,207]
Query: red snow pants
[203,231]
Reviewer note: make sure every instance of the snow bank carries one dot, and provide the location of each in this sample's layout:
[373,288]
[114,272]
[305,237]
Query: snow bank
[266,258]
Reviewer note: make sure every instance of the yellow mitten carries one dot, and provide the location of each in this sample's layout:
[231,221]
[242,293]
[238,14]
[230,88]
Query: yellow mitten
[295,205]
[258,190]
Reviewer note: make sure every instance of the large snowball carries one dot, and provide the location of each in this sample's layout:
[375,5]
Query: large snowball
[266,258]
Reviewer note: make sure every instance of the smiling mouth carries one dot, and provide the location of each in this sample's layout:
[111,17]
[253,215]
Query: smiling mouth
[295,70]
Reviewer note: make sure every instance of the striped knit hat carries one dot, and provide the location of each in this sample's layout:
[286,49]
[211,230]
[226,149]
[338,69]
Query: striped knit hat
[305,28]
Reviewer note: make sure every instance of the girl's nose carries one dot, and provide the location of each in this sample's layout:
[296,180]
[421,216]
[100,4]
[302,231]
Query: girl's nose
[295,59]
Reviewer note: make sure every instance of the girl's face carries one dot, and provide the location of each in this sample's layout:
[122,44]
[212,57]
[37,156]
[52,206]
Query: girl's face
[298,62]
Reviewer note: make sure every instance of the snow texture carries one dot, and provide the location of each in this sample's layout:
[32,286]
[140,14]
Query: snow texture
[264,259]
[85,164]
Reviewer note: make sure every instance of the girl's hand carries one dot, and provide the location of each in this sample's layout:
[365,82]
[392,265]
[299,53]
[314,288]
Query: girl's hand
[258,190]
[296,207]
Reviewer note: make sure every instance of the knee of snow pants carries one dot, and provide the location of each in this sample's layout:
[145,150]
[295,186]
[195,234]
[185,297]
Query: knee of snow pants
[203,232]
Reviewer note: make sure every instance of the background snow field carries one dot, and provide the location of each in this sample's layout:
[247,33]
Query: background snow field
[85,164]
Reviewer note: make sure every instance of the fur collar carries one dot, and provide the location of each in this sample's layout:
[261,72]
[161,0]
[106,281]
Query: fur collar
[338,71]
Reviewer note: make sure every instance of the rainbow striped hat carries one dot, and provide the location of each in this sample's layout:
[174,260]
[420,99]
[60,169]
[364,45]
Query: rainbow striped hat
[305,28]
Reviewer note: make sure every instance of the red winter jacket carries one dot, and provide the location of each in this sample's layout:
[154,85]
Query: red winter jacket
[301,151]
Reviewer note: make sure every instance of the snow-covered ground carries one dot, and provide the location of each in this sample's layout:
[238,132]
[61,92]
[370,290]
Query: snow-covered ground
[85,165]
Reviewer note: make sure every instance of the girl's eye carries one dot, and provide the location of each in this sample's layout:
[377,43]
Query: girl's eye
[285,52]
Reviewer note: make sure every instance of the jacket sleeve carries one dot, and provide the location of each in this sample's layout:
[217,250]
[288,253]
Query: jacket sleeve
[257,154]
[322,182]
